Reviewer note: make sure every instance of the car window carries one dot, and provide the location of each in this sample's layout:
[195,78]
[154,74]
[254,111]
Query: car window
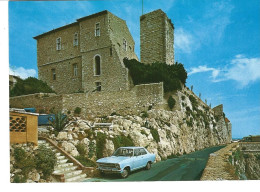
[143,152]
[137,152]
[123,152]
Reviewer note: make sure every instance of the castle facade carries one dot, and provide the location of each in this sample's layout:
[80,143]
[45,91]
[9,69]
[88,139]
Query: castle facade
[87,55]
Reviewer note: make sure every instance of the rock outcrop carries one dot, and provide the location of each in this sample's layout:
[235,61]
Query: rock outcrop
[190,126]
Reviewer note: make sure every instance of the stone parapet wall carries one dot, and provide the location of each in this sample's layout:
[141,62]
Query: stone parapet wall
[138,99]
[41,101]
[121,102]
[218,166]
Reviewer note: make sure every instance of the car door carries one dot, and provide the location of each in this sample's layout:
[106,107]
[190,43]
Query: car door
[137,159]
[144,157]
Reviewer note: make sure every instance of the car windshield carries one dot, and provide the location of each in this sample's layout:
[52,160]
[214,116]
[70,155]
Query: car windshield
[123,152]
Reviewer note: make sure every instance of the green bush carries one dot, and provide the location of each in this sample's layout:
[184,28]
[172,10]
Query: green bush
[101,141]
[23,161]
[85,161]
[91,149]
[194,102]
[145,114]
[29,86]
[155,135]
[122,141]
[144,133]
[45,160]
[81,149]
[171,75]
[59,122]
[77,110]
[171,102]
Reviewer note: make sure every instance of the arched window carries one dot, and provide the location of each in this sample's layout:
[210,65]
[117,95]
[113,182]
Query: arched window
[97,70]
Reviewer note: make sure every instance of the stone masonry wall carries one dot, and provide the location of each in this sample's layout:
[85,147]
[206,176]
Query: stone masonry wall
[122,102]
[97,103]
[40,101]
[108,45]
[156,36]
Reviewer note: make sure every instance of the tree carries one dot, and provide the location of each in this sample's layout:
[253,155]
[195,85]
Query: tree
[29,86]
[171,75]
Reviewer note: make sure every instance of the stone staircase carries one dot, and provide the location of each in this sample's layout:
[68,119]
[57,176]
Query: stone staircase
[69,170]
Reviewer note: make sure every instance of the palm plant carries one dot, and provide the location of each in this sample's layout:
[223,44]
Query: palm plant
[59,122]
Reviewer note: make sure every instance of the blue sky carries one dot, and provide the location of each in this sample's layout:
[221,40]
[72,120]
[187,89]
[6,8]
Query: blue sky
[217,41]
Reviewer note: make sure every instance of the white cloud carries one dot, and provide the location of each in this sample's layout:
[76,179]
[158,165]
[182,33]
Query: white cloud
[241,69]
[204,68]
[244,70]
[183,41]
[22,72]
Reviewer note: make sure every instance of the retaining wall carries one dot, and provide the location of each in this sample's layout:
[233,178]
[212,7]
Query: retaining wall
[123,102]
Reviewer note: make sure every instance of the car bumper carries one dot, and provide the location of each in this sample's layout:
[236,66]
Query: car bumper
[109,170]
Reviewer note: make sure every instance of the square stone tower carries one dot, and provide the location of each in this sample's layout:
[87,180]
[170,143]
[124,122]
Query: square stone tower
[156,38]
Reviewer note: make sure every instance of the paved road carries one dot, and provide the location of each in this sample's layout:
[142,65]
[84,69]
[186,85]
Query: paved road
[185,168]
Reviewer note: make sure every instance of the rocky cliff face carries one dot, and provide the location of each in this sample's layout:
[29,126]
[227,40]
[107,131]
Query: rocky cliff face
[190,126]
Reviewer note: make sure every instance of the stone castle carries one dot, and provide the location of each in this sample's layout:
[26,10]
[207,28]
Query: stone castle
[87,55]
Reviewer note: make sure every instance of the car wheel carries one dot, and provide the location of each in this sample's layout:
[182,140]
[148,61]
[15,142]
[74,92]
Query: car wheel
[148,166]
[125,173]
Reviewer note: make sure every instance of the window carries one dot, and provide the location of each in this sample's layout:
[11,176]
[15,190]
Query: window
[124,45]
[53,73]
[58,43]
[75,39]
[97,30]
[98,86]
[111,51]
[97,68]
[75,70]
[143,152]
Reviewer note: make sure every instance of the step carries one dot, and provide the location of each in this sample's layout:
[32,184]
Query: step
[64,169]
[61,161]
[70,174]
[63,165]
[60,157]
[58,154]
[76,178]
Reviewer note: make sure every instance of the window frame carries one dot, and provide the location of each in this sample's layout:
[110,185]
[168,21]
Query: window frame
[124,44]
[53,74]
[75,70]
[95,65]
[97,29]
[76,39]
[58,43]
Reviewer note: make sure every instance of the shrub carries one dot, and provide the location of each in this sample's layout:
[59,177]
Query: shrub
[144,133]
[19,178]
[171,102]
[81,149]
[77,110]
[246,156]
[45,160]
[114,113]
[122,141]
[170,75]
[91,149]
[23,161]
[194,102]
[30,85]
[155,135]
[145,114]
[59,122]
[182,97]
[85,161]
[101,141]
